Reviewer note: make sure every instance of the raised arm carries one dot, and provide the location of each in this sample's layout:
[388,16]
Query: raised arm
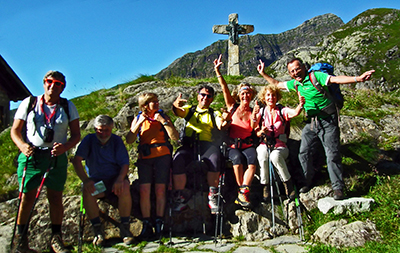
[260,69]
[351,79]
[229,101]
[134,130]
[169,127]
[177,106]
[295,112]
[255,116]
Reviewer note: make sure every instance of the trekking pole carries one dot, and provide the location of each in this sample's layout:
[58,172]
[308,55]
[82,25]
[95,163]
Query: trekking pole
[170,203]
[272,191]
[278,189]
[298,212]
[221,183]
[36,199]
[21,188]
[82,212]
[220,213]
[201,185]
[196,158]
[170,243]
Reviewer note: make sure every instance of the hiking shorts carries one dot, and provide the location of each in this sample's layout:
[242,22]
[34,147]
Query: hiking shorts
[36,168]
[108,193]
[158,168]
[210,155]
[243,156]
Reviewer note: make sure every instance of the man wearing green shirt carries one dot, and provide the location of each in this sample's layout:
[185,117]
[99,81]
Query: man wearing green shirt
[320,125]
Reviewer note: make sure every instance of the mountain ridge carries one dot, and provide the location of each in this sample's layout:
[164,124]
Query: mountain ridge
[267,47]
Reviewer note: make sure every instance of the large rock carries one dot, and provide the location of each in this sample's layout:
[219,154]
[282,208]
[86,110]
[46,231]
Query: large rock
[348,206]
[341,234]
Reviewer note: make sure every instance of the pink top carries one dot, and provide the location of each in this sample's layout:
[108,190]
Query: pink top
[240,129]
[278,126]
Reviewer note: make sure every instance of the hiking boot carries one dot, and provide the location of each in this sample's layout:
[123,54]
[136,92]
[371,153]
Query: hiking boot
[126,234]
[98,240]
[338,194]
[213,202]
[159,227]
[147,231]
[57,245]
[304,189]
[23,246]
[266,193]
[243,196]
[180,203]
[290,193]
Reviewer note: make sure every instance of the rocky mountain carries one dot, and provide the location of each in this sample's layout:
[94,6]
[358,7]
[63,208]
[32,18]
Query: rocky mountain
[368,41]
[267,47]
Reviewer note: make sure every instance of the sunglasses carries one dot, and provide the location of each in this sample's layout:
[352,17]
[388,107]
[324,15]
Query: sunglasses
[50,82]
[205,95]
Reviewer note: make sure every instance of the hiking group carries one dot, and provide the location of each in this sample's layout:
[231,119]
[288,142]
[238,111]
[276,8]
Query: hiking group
[253,136]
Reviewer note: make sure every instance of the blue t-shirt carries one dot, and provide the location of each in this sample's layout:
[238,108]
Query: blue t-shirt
[103,161]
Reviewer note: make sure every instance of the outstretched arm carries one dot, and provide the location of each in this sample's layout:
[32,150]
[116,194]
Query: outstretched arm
[351,79]
[260,69]
[229,101]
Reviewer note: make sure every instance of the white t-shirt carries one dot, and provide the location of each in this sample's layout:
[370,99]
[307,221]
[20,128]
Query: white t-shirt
[36,121]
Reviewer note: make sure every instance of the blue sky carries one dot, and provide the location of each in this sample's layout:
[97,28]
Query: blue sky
[101,43]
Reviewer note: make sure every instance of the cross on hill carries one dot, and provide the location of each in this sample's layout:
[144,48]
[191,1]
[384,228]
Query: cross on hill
[233,29]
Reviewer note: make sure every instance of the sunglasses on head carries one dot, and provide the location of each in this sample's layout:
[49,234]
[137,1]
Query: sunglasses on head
[205,95]
[50,82]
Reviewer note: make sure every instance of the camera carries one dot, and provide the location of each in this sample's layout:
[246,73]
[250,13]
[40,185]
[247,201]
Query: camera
[48,135]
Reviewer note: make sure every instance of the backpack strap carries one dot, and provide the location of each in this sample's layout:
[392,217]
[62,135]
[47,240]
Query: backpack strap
[318,86]
[234,108]
[31,105]
[64,105]
[262,117]
[190,113]
[212,115]
[280,107]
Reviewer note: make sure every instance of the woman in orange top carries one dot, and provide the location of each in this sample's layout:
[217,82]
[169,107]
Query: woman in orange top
[155,155]
[241,151]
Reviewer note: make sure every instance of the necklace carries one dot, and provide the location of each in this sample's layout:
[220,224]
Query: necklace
[242,112]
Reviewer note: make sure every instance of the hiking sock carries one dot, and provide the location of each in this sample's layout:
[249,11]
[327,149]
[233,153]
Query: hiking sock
[213,189]
[95,221]
[125,219]
[21,228]
[56,229]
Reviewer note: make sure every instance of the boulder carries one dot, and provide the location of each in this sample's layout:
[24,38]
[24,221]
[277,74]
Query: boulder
[349,206]
[341,234]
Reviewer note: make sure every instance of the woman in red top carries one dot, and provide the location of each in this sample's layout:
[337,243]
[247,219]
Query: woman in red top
[155,156]
[241,151]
